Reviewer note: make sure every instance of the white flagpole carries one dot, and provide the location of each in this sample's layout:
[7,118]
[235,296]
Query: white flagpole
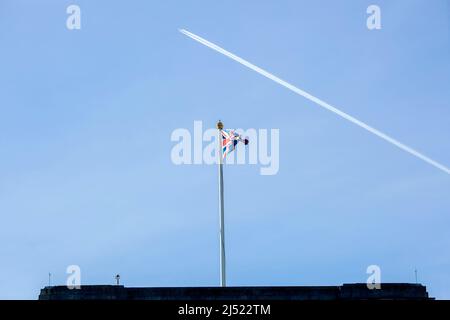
[221,207]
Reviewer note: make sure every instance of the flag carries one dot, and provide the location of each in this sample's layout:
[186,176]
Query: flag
[229,141]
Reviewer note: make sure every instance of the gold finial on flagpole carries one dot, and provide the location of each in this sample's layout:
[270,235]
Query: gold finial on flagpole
[219,125]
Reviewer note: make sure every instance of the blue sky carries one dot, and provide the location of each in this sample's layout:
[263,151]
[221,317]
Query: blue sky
[86,116]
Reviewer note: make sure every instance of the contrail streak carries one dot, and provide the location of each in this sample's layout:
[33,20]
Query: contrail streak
[317,101]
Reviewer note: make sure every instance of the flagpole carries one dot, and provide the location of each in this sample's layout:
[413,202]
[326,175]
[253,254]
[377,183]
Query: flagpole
[221,207]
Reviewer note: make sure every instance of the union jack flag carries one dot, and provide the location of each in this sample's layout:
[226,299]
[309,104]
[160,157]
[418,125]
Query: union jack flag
[229,141]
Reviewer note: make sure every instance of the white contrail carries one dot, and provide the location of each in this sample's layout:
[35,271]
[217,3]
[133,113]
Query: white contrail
[316,100]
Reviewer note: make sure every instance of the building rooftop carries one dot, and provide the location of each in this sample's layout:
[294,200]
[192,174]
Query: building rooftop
[358,291]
